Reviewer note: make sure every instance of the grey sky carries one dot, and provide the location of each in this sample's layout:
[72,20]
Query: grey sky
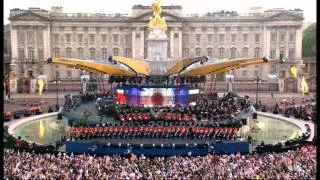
[188,6]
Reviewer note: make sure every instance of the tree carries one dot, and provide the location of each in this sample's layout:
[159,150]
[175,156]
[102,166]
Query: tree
[309,41]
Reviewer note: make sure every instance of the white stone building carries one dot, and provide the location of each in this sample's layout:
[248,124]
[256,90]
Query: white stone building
[37,34]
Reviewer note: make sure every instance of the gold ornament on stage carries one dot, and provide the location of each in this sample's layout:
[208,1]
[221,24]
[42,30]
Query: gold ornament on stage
[157,20]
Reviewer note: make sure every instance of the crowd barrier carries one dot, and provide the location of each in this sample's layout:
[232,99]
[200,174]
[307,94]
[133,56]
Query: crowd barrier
[79,147]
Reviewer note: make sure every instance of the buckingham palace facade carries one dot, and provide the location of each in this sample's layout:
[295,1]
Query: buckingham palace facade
[37,34]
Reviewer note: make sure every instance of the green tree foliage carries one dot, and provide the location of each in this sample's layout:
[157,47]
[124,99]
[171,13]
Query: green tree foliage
[309,41]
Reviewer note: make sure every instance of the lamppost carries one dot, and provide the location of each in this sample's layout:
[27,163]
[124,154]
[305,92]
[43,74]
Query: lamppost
[57,80]
[257,91]
[230,79]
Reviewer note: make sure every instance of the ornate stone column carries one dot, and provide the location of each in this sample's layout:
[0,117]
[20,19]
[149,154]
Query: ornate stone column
[180,43]
[172,55]
[141,54]
[134,43]
[298,47]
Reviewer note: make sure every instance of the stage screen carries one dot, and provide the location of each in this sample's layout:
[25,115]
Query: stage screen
[153,96]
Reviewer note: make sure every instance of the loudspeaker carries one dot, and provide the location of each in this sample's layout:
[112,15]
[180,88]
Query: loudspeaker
[244,121]
[255,116]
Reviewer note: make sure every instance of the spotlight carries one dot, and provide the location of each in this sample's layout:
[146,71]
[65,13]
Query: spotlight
[161,145]
[187,144]
[49,60]
[108,144]
[153,145]
[282,60]
[141,145]
[265,59]
[110,59]
[119,144]
[173,145]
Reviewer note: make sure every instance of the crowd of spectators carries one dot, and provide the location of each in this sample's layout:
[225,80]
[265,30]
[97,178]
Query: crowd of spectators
[306,110]
[296,164]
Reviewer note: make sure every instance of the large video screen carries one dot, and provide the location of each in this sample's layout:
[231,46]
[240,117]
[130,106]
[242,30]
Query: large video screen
[153,96]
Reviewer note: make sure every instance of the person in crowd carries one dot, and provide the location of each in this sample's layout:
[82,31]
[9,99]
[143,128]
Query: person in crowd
[297,164]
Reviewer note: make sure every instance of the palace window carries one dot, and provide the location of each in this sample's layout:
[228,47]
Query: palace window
[30,36]
[233,38]
[68,52]
[291,53]
[282,51]
[245,37]
[282,36]
[245,52]
[210,38]
[80,38]
[21,36]
[40,54]
[256,52]
[186,52]
[115,38]
[104,54]
[186,38]
[30,53]
[80,53]
[198,38]
[91,38]
[274,37]
[92,53]
[56,52]
[127,52]
[56,38]
[104,38]
[127,39]
[210,52]
[21,56]
[257,38]
[221,53]
[233,53]
[198,52]
[68,38]
[272,54]
[221,38]
[115,51]
[291,37]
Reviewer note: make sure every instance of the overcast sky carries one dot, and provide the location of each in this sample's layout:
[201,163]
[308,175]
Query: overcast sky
[188,6]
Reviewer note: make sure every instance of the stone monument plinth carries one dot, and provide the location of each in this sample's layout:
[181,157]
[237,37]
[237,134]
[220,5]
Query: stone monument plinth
[158,51]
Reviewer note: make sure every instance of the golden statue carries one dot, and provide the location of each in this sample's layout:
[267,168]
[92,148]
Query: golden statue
[294,71]
[157,20]
[41,85]
[304,86]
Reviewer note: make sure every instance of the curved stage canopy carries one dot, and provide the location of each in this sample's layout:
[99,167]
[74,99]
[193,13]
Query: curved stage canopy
[183,67]
[183,64]
[138,66]
[93,66]
[224,65]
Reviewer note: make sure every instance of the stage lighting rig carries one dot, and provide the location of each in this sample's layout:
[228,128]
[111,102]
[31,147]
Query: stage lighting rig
[282,60]
[265,59]
[110,59]
[49,60]
[205,59]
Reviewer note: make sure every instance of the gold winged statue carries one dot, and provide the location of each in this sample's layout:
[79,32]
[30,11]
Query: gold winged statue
[157,20]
